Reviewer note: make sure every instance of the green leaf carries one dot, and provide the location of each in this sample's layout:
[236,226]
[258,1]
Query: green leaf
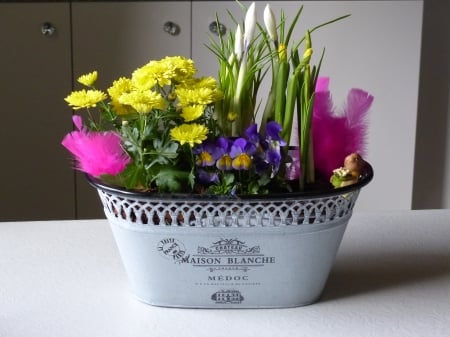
[172,180]
[134,176]
[253,187]
[228,178]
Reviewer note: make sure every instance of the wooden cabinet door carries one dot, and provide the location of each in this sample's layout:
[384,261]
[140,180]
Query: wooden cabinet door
[377,49]
[37,179]
[115,38]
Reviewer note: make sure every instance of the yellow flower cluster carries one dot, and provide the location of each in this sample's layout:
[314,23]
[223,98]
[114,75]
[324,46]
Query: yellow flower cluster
[156,86]
[167,71]
[194,95]
[120,86]
[143,101]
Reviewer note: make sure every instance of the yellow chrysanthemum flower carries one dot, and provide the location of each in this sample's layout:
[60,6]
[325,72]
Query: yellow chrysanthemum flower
[189,96]
[192,112]
[167,71]
[181,68]
[195,93]
[85,98]
[143,101]
[88,79]
[189,133]
[162,72]
[121,109]
[206,82]
[199,83]
[144,78]
[119,87]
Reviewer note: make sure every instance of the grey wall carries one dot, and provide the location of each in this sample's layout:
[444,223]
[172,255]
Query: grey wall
[432,156]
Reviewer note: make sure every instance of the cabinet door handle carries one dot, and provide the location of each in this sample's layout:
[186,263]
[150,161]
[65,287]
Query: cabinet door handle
[47,29]
[172,28]
[217,28]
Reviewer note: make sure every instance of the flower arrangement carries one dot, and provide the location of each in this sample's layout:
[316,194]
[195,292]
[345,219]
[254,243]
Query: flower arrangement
[165,130]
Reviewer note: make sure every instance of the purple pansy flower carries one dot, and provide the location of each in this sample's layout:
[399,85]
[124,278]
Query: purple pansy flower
[252,134]
[273,130]
[207,153]
[224,161]
[274,140]
[241,153]
[207,178]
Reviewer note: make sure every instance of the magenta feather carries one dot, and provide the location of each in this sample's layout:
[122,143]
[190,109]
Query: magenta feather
[335,135]
[96,153]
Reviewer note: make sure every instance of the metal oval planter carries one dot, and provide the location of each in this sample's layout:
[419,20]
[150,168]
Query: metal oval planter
[220,252]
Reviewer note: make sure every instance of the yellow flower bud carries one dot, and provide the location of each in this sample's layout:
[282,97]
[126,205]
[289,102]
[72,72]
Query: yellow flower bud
[232,116]
[172,96]
[307,54]
[88,79]
[282,52]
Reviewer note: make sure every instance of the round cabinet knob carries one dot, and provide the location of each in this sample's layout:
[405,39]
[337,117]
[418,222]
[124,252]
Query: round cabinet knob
[217,28]
[172,28]
[47,29]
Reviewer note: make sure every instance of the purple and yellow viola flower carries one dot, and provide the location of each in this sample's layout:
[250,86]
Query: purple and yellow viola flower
[241,154]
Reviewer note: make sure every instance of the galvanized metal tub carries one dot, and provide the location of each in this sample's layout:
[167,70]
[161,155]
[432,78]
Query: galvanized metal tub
[219,252]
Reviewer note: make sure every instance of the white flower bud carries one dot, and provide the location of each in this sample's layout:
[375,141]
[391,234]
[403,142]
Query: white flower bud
[270,23]
[238,43]
[250,24]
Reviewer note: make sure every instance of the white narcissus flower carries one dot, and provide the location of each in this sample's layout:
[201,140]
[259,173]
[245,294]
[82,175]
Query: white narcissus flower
[271,24]
[238,42]
[250,24]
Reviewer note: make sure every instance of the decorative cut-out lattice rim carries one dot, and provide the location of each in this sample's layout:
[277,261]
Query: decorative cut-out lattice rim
[191,210]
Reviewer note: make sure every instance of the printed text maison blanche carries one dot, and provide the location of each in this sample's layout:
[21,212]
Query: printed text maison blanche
[228,260]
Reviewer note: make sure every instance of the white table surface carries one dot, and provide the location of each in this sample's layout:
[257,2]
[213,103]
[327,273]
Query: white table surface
[65,278]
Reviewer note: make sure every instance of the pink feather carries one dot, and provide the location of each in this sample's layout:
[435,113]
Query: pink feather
[337,135]
[96,153]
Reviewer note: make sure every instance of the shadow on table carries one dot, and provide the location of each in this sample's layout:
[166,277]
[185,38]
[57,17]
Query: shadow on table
[354,275]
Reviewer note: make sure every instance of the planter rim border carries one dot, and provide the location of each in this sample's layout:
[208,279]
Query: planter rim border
[366,177]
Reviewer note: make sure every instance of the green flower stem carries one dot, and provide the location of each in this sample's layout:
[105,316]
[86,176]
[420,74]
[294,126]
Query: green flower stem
[306,155]
[237,103]
[107,112]
[305,125]
[280,93]
[92,125]
[269,110]
[138,142]
[290,105]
